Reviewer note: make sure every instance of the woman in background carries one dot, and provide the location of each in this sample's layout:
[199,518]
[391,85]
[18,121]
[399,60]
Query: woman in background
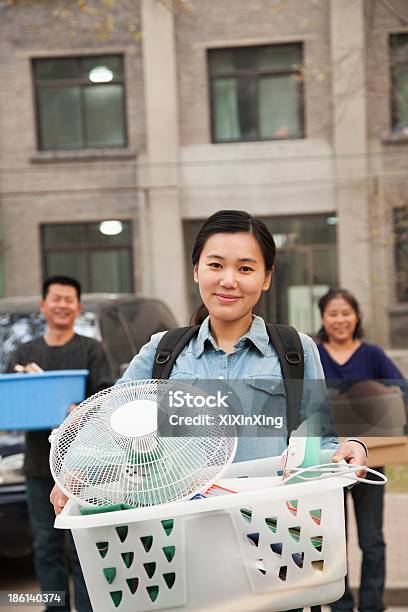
[346,357]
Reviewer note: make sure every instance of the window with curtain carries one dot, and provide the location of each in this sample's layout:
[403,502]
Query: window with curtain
[256,92]
[100,259]
[401,252]
[399,78]
[80,102]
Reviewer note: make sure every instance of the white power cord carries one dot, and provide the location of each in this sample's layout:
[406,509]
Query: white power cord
[330,470]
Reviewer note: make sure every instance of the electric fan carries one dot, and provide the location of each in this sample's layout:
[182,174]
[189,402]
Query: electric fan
[117,447]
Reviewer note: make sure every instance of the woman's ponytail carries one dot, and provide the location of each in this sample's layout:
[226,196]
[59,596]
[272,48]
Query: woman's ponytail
[199,315]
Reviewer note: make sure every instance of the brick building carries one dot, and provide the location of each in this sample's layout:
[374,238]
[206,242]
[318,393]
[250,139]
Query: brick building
[295,110]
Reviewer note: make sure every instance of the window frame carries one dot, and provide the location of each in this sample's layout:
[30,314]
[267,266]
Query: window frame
[82,83]
[257,74]
[88,249]
[395,126]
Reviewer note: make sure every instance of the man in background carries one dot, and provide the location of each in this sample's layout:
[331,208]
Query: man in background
[59,349]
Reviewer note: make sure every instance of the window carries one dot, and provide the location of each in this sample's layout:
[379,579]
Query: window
[80,102]
[100,261]
[399,69]
[401,252]
[256,93]
[305,268]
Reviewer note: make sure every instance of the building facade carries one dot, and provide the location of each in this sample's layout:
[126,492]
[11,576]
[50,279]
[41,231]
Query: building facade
[124,125]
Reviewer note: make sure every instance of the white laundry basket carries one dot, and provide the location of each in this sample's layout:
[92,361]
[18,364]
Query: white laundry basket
[268,547]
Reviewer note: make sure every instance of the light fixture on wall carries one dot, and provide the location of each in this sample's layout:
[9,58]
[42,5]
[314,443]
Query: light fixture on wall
[100,74]
[331,220]
[111,227]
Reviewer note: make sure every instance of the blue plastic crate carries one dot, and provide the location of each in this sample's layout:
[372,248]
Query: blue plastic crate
[39,401]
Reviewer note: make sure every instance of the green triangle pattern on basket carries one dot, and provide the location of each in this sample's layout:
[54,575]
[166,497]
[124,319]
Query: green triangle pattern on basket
[132,583]
[246,514]
[147,542]
[153,592]
[317,542]
[122,532]
[169,551]
[116,597]
[272,522]
[110,573]
[168,525]
[292,506]
[170,579]
[295,533]
[128,558]
[316,516]
[150,568]
[103,548]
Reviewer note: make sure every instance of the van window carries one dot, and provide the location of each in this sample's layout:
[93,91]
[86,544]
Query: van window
[85,325]
[145,319]
[16,328]
[116,341]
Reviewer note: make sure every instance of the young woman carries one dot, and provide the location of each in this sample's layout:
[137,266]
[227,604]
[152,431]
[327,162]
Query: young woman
[233,259]
[345,356]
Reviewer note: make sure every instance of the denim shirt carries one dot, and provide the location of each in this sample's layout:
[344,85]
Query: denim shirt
[252,369]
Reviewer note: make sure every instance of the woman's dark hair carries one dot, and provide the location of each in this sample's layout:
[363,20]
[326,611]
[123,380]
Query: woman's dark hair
[351,301]
[232,222]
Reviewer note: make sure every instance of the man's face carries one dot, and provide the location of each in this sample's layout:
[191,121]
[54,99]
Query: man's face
[61,306]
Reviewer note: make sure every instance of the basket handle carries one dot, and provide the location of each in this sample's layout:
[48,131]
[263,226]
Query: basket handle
[337,470]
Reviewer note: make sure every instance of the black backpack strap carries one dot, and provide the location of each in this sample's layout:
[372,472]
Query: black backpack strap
[169,348]
[288,345]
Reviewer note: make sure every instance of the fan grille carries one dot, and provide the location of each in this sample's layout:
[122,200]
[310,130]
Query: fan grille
[93,463]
